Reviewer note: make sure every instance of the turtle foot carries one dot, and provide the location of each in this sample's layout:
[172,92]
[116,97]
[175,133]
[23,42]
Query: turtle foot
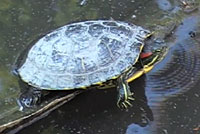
[125,102]
[29,99]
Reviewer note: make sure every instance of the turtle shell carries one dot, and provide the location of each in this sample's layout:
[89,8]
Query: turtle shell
[82,54]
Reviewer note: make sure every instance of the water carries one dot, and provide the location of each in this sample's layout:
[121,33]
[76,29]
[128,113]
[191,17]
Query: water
[160,94]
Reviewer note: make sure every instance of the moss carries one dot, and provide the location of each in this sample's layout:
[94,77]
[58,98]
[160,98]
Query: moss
[8,82]
[5,5]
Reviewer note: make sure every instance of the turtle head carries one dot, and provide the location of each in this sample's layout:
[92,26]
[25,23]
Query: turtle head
[159,53]
[145,33]
[157,49]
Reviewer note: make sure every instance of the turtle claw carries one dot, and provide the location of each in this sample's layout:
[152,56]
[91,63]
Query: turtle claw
[128,103]
[124,103]
[131,98]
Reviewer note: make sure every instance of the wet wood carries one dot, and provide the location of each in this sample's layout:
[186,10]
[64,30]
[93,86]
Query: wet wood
[16,125]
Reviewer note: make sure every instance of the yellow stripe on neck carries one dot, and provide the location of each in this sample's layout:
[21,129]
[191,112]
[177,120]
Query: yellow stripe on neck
[139,73]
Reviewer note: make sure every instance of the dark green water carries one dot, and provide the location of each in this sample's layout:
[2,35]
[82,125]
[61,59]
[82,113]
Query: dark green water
[167,97]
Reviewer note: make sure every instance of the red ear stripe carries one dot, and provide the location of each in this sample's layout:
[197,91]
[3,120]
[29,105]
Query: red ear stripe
[145,55]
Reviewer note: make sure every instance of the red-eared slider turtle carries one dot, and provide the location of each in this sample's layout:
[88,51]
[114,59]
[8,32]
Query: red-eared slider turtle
[87,54]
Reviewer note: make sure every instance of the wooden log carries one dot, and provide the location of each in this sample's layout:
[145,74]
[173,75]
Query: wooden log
[18,124]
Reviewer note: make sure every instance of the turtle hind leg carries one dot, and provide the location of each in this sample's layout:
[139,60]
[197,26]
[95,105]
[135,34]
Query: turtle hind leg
[125,96]
[29,98]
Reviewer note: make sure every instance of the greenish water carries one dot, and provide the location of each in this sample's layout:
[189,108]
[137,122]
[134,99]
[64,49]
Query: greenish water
[22,22]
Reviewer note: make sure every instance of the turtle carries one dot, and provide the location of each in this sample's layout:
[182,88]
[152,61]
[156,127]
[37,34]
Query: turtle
[88,54]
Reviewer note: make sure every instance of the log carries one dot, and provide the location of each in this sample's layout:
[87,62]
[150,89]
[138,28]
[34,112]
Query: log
[18,124]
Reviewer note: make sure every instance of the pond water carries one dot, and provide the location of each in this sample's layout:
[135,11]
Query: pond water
[167,98]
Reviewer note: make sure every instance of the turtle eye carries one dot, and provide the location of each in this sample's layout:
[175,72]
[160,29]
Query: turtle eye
[145,33]
[157,50]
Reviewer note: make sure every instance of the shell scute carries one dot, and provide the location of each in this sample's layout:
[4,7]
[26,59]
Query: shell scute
[96,30]
[90,65]
[94,77]
[129,58]
[116,48]
[113,24]
[73,30]
[51,36]
[49,82]
[135,47]
[73,65]
[62,84]
[121,30]
[104,55]
[79,80]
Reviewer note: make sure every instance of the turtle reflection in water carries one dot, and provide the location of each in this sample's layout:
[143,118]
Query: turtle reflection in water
[87,54]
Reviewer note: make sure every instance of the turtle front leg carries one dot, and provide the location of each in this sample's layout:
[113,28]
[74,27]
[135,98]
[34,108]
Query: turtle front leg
[29,98]
[124,94]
